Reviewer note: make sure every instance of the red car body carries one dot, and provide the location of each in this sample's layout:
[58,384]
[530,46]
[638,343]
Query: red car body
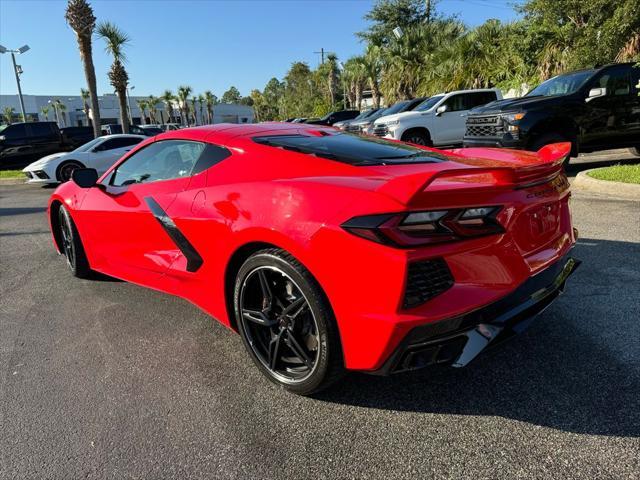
[261,195]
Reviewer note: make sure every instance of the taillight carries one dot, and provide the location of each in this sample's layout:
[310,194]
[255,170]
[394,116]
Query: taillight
[411,229]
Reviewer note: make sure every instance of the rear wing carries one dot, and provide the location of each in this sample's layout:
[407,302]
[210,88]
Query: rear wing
[483,168]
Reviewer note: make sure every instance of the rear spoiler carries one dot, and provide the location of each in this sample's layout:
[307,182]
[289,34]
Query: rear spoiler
[486,168]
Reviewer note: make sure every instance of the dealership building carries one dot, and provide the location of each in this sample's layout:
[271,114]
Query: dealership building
[74,114]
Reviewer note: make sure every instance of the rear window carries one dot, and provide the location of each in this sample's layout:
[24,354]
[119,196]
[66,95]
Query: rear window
[352,149]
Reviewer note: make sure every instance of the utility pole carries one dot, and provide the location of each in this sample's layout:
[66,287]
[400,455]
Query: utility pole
[321,53]
[428,11]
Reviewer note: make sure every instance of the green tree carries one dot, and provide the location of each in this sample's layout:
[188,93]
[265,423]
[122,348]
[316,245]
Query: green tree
[168,98]
[143,105]
[79,16]
[231,96]
[210,100]
[115,40]
[86,96]
[8,114]
[183,98]
[386,15]
[45,112]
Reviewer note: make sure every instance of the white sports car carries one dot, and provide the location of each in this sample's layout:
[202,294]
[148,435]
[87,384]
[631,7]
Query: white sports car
[100,153]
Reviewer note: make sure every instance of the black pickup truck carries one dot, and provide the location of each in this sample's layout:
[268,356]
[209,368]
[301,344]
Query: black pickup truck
[24,143]
[594,109]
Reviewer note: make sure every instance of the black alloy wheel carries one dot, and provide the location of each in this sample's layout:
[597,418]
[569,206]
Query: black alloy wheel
[285,323]
[65,170]
[71,246]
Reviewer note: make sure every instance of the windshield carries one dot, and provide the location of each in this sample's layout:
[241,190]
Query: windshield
[366,114]
[428,103]
[395,108]
[561,85]
[89,145]
[352,149]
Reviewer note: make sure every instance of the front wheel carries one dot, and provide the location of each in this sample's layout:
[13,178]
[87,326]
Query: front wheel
[71,245]
[65,170]
[417,137]
[286,323]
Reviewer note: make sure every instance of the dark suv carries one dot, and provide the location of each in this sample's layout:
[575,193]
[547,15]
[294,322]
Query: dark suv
[335,117]
[23,143]
[594,109]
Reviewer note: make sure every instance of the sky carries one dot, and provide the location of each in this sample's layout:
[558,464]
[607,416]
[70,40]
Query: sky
[207,44]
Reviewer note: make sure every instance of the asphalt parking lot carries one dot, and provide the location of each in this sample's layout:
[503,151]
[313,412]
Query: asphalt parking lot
[104,379]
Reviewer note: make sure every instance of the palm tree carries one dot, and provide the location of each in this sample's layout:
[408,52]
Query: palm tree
[167,97]
[194,100]
[143,105]
[201,104]
[45,112]
[183,96]
[210,100]
[355,73]
[85,106]
[372,62]
[153,108]
[116,40]
[79,16]
[8,115]
[332,81]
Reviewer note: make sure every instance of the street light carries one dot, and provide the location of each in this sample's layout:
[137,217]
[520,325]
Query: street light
[17,69]
[398,32]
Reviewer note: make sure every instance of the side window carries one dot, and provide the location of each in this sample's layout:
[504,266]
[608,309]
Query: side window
[163,160]
[107,145]
[40,129]
[455,103]
[120,143]
[15,132]
[211,155]
[479,98]
[616,81]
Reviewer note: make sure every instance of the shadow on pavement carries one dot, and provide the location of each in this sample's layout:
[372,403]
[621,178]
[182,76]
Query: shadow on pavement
[21,211]
[574,168]
[576,369]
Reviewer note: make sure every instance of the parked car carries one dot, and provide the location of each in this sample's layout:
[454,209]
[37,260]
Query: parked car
[594,109]
[299,120]
[167,127]
[328,251]
[99,153]
[333,117]
[76,136]
[343,124]
[438,121]
[146,130]
[22,143]
[366,126]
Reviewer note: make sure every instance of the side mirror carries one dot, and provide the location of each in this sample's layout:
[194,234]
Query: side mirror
[85,177]
[441,109]
[596,93]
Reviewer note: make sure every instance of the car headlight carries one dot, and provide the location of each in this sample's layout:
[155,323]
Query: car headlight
[513,117]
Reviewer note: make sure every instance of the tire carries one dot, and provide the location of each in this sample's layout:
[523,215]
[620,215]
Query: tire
[71,246]
[635,151]
[65,169]
[299,350]
[419,137]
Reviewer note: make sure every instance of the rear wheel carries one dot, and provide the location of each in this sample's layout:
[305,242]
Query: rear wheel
[286,323]
[65,170]
[419,137]
[71,245]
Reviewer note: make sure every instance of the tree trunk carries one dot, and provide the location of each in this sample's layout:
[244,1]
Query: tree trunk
[124,118]
[84,44]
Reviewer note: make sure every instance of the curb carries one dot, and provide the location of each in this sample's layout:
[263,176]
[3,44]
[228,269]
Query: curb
[13,181]
[629,191]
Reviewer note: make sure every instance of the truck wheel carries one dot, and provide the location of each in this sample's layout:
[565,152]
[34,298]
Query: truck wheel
[635,151]
[419,137]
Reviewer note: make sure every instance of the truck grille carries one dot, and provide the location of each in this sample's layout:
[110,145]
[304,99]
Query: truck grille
[380,130]
[353,128]
[484,127]
[426,279]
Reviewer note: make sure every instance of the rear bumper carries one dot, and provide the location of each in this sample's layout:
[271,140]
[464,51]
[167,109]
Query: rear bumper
[457,341]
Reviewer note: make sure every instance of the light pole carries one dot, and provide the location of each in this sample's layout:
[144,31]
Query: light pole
[129,104]
[344,87]
[17,69]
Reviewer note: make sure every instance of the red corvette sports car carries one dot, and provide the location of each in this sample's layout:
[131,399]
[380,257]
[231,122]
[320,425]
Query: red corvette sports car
[328,251]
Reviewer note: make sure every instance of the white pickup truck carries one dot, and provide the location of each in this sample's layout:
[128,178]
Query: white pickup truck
[438,121]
